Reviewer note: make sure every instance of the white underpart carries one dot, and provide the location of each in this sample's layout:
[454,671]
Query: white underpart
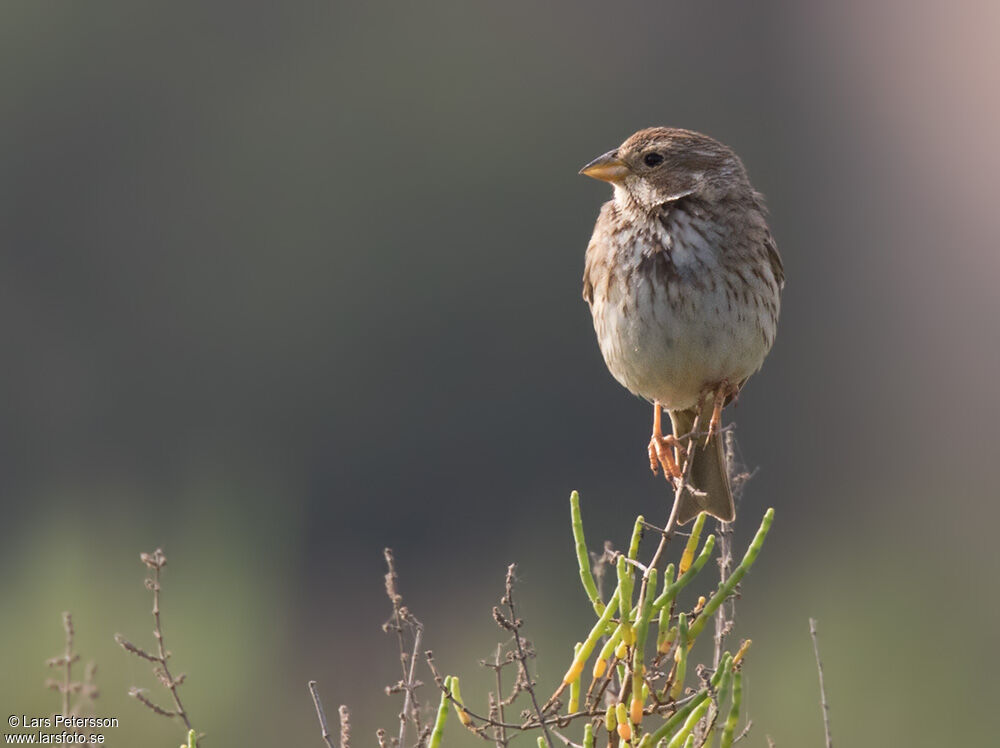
[674,352]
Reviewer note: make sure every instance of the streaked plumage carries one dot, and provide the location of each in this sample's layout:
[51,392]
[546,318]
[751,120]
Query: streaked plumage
[683,280]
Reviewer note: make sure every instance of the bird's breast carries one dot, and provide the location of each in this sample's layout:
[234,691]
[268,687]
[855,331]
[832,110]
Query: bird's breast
[674,312]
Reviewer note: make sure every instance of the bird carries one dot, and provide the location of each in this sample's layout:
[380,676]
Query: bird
[683,279]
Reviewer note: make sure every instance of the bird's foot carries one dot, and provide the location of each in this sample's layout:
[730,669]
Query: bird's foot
[721,393]
[661,454]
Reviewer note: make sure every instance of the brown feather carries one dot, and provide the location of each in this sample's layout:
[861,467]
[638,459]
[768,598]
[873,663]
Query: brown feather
[709,474]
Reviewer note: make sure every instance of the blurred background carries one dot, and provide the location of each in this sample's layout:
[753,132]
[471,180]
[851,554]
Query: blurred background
[283,284]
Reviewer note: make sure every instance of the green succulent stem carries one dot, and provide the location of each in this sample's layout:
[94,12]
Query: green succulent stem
[574,686]
[611,644]
[678,718]
[733,719]
[623,629]
[625,584]
[456,695]
[442,716]
[723,694]
[663,616]
[684,734]
[599,629]
[729,586]
[582,556]
[641,634]
[669,593]
[633,546]
[692,544]
[680,671]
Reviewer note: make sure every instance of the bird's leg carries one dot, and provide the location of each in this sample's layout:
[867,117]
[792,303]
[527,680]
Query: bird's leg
[721,392]
[661,448]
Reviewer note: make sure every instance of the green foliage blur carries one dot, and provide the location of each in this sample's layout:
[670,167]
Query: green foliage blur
[282,284]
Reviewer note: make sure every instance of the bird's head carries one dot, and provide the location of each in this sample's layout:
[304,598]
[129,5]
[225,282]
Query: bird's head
[662,164]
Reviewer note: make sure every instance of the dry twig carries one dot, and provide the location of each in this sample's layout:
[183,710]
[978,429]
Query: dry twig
[65,661]
[86,690]
[514,625]
[822,689]
[401,621]
[320,714]
[345,727]
[155,562]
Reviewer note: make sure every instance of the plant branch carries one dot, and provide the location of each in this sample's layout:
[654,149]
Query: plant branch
[522,658]
[822,688]
[314,690]
[155,562]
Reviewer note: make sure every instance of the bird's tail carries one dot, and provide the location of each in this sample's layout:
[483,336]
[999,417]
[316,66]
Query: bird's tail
[709,474]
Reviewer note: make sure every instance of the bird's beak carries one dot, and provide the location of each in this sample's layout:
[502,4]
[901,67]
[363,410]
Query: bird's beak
[607,168]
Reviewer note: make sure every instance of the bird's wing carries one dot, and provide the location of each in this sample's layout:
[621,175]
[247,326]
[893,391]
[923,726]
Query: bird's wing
[777,266]
[597,251]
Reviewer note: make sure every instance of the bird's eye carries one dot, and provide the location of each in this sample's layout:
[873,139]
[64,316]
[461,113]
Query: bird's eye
[653,159]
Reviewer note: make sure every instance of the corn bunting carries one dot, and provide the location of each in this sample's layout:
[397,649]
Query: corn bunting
[683,280]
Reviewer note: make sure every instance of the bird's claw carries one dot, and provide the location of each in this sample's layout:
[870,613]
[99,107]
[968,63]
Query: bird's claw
[661,454]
